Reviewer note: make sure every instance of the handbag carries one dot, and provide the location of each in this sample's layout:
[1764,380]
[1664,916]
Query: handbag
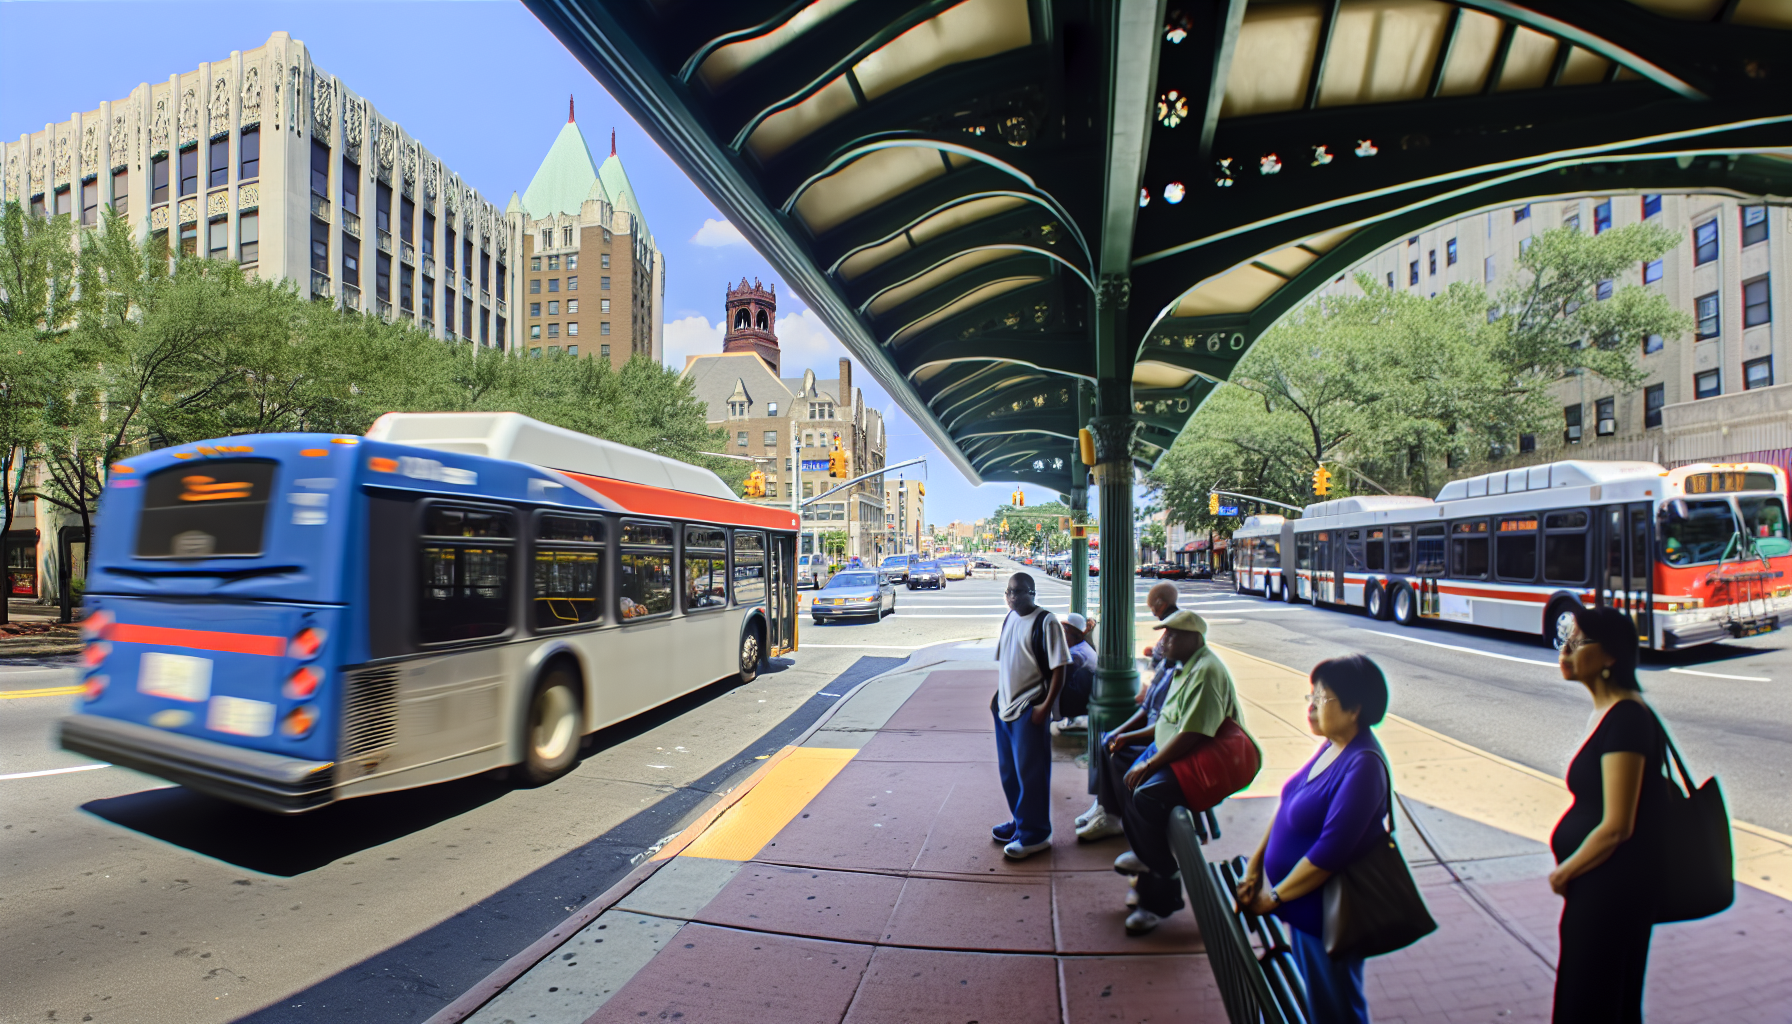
[1373,906]
[1218,768]
[1694,871]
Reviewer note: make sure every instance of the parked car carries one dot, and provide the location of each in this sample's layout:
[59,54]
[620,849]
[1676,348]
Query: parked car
[1172,571]
[895,568]
[1200,571]
[854,593]
[926,574]
[812,569]
[1149,569]
[955,568]
[983,563]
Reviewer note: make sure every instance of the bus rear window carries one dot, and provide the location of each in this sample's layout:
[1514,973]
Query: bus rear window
[211,509]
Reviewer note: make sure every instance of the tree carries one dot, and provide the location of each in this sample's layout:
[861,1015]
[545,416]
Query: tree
[833,542]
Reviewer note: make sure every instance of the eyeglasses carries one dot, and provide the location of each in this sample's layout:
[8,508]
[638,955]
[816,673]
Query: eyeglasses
[1575,643]
[1318,700]
[1017,590]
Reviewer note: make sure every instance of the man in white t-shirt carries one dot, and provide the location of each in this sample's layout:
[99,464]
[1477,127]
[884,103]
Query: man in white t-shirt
[1030,658]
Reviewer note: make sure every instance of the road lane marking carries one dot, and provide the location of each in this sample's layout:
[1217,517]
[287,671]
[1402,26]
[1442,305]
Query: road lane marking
[54,771]
[49,691]
[1456,647]
[1720,675]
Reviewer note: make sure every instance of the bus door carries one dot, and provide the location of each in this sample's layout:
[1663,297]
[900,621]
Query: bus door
[1625,579]
[1325,567]
[779,604]
[1341,545]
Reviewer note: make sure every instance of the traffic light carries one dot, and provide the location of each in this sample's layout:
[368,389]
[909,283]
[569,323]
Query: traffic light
[1063,524]
[1004,524]
[1018,499]
[921,489]
[756,484]
[1038,527]
[1213,504]
[837,463]
[1322,481]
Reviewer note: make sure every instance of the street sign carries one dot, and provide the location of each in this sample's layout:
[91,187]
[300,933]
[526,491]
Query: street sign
[1228,510]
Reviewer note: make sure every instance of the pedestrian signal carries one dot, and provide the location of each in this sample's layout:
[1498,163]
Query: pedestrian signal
[1322,481]
[1213,504]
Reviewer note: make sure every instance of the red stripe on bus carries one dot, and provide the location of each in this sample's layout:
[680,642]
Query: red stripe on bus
[647,499]
[198,639]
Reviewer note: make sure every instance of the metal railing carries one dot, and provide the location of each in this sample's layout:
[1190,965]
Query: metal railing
[320,286]
[385,241]
[407,252]
[351,224]
[320,207]
[1252,961]
[351,296]
[384,309]
[503,308]
[429,265]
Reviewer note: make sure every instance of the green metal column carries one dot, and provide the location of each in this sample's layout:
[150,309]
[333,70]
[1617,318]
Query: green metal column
[1116,674]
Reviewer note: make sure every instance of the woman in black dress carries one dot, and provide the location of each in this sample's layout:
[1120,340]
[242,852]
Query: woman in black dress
[1604,844]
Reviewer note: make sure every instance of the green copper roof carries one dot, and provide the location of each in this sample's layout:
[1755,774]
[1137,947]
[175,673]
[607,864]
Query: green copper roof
[565,176]
[622,194]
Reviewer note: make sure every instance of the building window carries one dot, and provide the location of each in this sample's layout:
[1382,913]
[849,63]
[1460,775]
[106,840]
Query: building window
[351,187]
[382,282]
[466,318]
[553,263]
[603,259]
[62,201]
[535,309]
[320,246]
[1602,217]
[771,439]
[1756,308]
[407,299]
[566,236]
[429,233]
[1704,243]
[121,192]
[1653,343]
[535,263]
[382,207]
[217,238]
[1754,225]
[1412,273]
[572,329]
[90,202]
[1527,442]
[534,332]
[1654,396]
[1522,213]
[1707,385]
[604,350]
[603,305]
[572,306]
[603,284]
[572,284]
[219,169]
[320,169]
[1571,423]
[1450,253]
[485,270]
[1571,222]
[1390,280]
[740,439]
[1603,290]
[547,238]
[189,171]
[248,154]
[189,239]
[466,263]
[553,309]
[535,286]
[535,353]
[1651,206]
[1605,419]
[248,237]
[407,219]
[553,284]
[448,251]
[1757,373]
[603,327]
[1431,264]
[572,261]
[158,180]
[553,330]
[351,260]
[1705,311]
[1487,269]
[1651,271]
[1524,244]
[485,326]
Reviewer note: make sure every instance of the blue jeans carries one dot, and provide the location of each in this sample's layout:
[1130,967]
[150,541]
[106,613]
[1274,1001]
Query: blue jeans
[1024,756]
[1334,987]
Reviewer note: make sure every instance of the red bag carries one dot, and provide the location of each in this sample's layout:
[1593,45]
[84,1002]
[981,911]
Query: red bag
[1218,768]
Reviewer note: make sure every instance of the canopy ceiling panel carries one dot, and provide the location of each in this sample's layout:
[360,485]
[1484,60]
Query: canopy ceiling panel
[951,184]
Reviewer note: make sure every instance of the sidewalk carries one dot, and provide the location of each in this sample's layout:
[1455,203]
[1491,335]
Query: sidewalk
[852,879]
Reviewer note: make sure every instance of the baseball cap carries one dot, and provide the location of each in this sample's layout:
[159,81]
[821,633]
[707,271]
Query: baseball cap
[1077,622]
[1184,620]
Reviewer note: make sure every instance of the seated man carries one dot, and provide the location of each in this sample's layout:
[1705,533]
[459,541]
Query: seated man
[1121,746]
[1079,676]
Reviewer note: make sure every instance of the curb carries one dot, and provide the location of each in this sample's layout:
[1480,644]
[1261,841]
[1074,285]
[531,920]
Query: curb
[489,987]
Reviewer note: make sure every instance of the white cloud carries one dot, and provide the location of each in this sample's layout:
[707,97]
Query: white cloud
[690,336]
[717,233]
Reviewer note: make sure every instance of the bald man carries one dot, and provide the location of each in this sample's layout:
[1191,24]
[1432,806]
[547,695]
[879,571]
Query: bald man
[1122,746]
[1030,655]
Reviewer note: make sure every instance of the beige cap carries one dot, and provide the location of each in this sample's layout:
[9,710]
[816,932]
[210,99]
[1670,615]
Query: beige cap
[1184,620]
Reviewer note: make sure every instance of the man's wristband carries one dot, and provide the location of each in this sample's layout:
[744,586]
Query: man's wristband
[1274,896]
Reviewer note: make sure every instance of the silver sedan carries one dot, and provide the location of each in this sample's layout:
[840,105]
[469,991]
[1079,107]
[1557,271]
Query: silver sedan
[852,594]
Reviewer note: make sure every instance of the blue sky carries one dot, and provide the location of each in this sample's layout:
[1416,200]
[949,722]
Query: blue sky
[484,86]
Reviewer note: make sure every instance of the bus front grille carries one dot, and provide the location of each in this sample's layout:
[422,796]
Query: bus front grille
[370,719]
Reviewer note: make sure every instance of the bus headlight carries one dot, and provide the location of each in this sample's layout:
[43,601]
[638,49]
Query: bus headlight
[97,626]
[306,644]
[298,722]
[302,684]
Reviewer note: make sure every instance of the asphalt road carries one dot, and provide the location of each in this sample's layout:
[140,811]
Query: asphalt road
[123,899]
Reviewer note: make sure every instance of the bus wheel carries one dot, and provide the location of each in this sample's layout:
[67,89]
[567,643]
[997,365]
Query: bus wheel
[1375,601]
[1405,611]
[551,730]
[749,654]
[1558,624]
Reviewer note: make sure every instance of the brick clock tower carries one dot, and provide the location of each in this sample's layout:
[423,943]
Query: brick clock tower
[752,322]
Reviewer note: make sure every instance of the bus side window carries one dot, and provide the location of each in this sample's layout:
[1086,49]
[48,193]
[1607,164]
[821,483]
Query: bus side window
[1428,550]
[705,568]
[1400,549]
[1468,549]
[1765,520]
[1375,555]
[1565,548]
[1353,551]
[465,564]
[1303,551]
[1515,551]
[749,567]
[644,570]
[567,588]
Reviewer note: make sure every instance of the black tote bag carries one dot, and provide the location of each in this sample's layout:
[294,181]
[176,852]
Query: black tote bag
[1694,870]
[1373,906]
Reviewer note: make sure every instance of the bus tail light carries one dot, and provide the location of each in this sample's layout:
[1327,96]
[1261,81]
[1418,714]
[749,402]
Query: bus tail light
[97,626]
[298,722]
[95,653]
[306,644]
[93,687]
[302,684]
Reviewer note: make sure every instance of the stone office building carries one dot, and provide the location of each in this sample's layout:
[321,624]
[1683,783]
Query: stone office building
[763,411]
[267,159]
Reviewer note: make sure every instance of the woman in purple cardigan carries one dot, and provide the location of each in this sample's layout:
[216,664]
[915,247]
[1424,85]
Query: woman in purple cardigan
[1332,812]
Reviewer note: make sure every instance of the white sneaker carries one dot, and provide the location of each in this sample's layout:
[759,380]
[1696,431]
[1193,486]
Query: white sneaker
[1079,722]
[1132,896]
[1016,851]
[1083,818]
[1142,922]
[1058,725]
[1129,863]
[1101,826]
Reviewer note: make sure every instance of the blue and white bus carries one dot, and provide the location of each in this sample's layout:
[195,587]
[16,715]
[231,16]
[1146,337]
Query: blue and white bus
[285,620]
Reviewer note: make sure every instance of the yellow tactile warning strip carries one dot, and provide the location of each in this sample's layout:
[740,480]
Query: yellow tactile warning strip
[1449,774]
[48,691]
[777,796]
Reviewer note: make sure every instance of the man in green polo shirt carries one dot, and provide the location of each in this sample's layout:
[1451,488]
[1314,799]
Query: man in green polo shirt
[1200,700]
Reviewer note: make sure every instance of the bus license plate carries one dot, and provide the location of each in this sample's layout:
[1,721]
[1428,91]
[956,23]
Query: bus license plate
[1755,627]
[240,717]
[175,676]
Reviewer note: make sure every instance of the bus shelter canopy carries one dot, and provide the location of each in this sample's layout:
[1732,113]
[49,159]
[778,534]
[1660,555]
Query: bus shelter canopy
[1023,214]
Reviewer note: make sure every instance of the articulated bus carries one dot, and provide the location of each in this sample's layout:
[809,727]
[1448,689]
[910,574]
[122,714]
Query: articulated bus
[285,620]
[1692,554]
[1257,556]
